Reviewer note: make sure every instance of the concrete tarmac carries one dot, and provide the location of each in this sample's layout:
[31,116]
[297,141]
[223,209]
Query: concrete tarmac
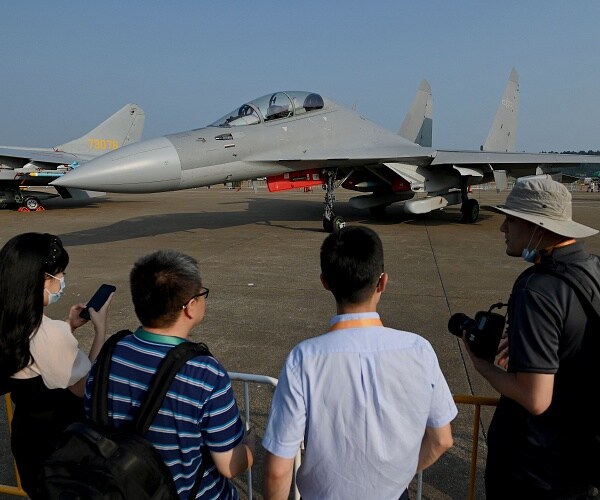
[259,255]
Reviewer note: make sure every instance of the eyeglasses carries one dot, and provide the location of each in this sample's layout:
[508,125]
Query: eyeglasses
[203,293]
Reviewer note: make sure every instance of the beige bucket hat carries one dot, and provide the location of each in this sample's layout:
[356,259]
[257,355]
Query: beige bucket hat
[544,202]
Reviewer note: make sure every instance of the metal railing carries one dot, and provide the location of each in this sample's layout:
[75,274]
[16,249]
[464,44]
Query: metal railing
[478,402]
[246,379]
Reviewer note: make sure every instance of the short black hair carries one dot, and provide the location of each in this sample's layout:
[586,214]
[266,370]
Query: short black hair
[352,263]
[161,283]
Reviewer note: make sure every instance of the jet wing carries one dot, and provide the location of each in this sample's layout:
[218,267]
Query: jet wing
[430,157]
[417,169]
[506,160]
[22,156]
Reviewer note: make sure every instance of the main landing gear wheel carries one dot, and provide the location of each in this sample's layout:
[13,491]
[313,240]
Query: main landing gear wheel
[470,211]
[30,204]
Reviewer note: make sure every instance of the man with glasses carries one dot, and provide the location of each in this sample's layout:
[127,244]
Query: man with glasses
[370,403]
[199,417]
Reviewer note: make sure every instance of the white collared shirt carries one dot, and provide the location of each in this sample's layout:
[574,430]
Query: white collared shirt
[360,398]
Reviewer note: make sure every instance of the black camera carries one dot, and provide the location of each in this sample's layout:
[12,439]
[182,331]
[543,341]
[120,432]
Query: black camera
[482,333]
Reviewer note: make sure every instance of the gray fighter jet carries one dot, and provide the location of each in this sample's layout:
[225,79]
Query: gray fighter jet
[299,139]
[22,169]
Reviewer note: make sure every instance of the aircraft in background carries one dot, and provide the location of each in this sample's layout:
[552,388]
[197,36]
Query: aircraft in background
[24,168]
[417,126]
[299,139]
[503,132]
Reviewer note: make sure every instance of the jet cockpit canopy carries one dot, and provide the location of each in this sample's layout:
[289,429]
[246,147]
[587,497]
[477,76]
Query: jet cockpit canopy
[271,107]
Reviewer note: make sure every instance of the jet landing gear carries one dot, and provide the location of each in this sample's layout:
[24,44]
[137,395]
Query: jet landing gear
[470,211]
[331,222]
[469,207]
[31,204]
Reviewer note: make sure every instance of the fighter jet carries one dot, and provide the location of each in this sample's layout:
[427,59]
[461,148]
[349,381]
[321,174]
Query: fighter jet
[299,139]
[24,168]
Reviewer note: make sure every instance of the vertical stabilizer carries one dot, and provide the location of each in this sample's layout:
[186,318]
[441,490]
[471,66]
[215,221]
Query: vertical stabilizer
[418,123]
[503,133]
[122,128]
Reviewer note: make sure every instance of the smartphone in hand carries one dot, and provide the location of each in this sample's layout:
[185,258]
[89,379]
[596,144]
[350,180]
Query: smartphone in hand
[97,300]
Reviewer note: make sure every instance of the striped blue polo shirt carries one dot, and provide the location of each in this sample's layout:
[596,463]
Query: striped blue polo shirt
[199,410]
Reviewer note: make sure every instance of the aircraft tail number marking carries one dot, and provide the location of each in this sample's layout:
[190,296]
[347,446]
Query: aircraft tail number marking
[102,144]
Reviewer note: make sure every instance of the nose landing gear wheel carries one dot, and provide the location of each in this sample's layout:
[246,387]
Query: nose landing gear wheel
[335,224]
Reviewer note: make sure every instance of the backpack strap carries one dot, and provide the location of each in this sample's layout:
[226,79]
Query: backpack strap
[589,299]
[157,390]
[161,381]
[99,399]
[592,301]
[159,385]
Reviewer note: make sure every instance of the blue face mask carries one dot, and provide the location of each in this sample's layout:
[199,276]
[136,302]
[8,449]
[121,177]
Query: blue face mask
[531,254]
[53,297]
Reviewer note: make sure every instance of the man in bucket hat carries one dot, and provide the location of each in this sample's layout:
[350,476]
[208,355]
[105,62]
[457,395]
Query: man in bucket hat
[543,438]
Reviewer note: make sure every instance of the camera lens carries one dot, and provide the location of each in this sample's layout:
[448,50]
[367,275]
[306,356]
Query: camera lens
[458,323]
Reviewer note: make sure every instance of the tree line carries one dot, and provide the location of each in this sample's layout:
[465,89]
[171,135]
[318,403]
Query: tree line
[589,152]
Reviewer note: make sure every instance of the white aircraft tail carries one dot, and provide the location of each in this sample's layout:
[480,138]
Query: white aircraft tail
[418,123]
[122,128]
[502,136]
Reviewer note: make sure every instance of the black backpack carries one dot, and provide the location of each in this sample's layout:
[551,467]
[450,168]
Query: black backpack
[95,461]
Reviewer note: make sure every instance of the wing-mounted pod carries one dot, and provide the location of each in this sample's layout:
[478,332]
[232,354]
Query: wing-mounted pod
[295,180]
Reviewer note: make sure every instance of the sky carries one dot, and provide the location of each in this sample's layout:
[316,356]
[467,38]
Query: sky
[67,65]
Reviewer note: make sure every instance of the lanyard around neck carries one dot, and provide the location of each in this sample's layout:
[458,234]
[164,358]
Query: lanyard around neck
[355,323]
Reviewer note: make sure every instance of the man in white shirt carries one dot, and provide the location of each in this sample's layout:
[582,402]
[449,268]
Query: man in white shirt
[370,403]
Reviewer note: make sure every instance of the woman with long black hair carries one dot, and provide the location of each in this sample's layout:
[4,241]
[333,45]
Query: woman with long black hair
[40,361]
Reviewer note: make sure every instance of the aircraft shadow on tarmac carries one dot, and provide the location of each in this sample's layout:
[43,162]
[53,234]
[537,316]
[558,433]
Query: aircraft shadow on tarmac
[285,214]
[59,203]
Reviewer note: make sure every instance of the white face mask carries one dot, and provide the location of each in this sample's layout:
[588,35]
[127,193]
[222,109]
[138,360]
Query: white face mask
[53,297]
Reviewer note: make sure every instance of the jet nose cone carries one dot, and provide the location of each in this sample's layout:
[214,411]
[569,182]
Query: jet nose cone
[145,167]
